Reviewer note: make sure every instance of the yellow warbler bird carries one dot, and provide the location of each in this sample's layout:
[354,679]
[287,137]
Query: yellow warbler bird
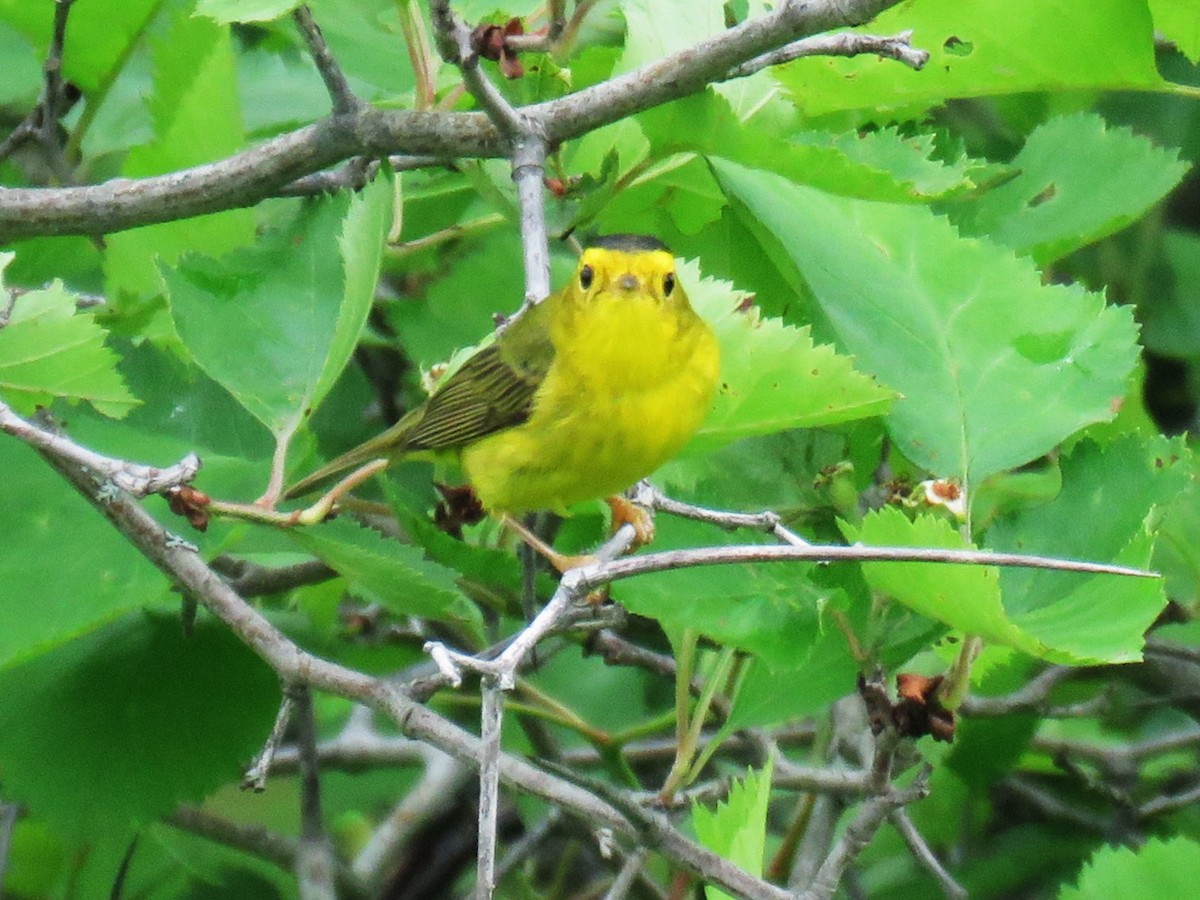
[582,396]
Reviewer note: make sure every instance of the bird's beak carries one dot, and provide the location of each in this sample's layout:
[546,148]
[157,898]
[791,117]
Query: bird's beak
[628,282]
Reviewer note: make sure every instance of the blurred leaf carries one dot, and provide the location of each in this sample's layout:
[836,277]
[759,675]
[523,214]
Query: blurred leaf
[737,829]
[1062,199]
[48,350]
[966,332]
[391,573]
[197,119]
[97,41]
[772,375]
[276,323]
[23,72]
[226,11]
[987,47]
[654,29]
[1178,22]
[1159,868]
[109,731]
[1171,315]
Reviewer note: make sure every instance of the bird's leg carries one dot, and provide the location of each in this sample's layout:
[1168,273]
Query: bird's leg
[560,561]
[626,512]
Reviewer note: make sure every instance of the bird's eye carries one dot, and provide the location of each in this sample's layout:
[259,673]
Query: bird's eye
[585,277]
[668,283]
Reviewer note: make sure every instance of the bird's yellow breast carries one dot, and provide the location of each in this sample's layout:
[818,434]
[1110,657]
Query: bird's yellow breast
[631,381]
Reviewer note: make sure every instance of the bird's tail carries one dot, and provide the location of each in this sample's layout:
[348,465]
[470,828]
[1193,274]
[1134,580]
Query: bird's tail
[390,446]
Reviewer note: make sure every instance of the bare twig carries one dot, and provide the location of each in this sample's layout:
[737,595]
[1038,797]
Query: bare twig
[924,855]
[528,170]
[267,845]
[454,43]
[250,579]
[897,47]
[42,123]
[315,863]
[859,833]
[255,778]
[623,883]
[8,819]
[439,785]
[138,480]
[1030,697]
[262,171]
[343,98]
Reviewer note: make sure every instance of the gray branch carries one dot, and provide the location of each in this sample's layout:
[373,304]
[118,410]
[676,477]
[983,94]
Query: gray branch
[265,170]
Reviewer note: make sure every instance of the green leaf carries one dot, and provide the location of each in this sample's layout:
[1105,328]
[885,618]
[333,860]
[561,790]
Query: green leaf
[1178,22]
[64,569]
[877,165]
[965,331]
[23,73]
[276,323]
[1105,513]
[394,574]
[226,11]
[987,47]
[654,29]
[98,40]
[737,829]
[1062,199]
[48,350]
[197,119]
[107,732]
[966,598]
[1160,868]
[773,377]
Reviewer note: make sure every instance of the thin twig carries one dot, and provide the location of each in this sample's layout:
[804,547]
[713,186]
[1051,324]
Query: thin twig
[1031,697]
[134,478]
[920,849]
[8,819]
[897,47]
[623,883]
[435,792]
[250,579]
[254,839]
[343,98]
[315,862]
[454,44]
[255,778]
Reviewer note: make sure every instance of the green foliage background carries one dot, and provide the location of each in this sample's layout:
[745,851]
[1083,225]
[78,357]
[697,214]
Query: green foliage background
[985,271]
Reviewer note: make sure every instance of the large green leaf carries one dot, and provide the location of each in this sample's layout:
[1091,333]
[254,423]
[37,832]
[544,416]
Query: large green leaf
[276,323]
[987,47]
[197,118]
[48,350]
[64,570]
[107,732]
[1062,199]
[965,331]
[773,377]
[1105,513]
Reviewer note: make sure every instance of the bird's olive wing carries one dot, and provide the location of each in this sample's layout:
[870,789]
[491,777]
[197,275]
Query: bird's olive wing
[493,390]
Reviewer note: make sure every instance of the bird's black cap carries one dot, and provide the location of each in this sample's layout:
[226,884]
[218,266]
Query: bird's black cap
[628,243]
